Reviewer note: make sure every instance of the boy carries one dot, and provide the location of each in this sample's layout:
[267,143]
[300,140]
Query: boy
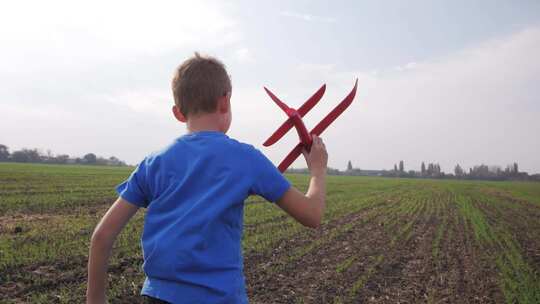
[194,191]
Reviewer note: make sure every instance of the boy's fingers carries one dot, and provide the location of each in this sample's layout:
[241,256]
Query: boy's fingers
[316,140]
[320,143]
[317,143]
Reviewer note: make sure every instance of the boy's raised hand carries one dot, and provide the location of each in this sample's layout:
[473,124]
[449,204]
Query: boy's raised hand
[308,208]
[317,157]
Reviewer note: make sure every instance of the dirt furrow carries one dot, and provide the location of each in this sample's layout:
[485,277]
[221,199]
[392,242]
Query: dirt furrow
[465,271]
[401,277]
[284,276]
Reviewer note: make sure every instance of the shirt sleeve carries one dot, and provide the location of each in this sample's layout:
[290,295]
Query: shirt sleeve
[134,189]
[269,182]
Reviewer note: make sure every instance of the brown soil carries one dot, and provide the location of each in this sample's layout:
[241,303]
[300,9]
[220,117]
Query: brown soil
[407,272]
[272,277]
[24,281]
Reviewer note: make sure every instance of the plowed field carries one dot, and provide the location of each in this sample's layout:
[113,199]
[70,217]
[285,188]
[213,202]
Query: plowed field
[382,241]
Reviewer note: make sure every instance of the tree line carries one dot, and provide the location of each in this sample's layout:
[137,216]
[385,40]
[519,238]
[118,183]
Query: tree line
[482,172]
[478,172]
[433,170]
[36,156]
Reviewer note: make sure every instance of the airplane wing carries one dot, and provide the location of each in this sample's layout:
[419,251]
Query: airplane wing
[280,103]
[312,101]
[288,124]
[328,119]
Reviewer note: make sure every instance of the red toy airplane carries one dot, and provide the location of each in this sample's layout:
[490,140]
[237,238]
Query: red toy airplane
[295,120]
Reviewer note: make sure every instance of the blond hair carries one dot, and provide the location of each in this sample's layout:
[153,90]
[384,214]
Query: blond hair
[198,83]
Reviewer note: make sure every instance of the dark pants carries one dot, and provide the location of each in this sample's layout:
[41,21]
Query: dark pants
[150,300]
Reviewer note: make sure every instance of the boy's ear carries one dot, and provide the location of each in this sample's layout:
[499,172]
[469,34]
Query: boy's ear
[178,114]
[224,103]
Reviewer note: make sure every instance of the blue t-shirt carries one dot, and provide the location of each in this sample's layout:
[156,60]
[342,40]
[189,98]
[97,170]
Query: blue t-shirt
[194,192]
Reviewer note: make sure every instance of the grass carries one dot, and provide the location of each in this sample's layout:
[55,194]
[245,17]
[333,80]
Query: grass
[343,266]
[48,212]
[520,283]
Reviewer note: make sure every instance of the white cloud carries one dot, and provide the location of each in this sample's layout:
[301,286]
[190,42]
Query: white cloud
[307,17]
[147,101]
[473,106]
[244,55]
[71,34]
[408,66]
[316,68]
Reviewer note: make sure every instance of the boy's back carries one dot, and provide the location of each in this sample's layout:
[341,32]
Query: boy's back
[194,191]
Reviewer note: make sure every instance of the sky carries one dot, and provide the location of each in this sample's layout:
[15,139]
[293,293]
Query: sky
[439,81]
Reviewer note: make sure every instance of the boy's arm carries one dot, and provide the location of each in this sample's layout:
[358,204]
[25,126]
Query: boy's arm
[308,209]
[100,248]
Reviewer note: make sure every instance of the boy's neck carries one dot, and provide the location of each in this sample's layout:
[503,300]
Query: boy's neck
[204,122]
